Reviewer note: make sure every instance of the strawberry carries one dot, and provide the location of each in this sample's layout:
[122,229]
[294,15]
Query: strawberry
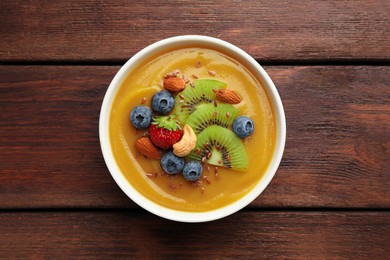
[165,131]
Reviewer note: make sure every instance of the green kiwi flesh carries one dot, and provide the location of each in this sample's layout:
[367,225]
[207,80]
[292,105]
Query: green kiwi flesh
[219,146]
[200,92]
[208,114]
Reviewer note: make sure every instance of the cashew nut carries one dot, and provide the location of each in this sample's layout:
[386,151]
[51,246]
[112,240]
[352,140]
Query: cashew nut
[187,142]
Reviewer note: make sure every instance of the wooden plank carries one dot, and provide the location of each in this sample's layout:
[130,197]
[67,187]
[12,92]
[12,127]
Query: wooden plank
[245,235]
[337,150]
[269,30]
[338,143]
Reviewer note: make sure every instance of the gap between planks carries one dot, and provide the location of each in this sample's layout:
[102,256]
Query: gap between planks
[249,209]
[298,62]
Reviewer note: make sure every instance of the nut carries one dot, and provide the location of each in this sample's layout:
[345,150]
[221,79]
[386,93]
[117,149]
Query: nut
[145,147]
[174,84]
[228,96]
[187,142]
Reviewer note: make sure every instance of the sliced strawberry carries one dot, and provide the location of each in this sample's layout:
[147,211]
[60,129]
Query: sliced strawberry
[165,131]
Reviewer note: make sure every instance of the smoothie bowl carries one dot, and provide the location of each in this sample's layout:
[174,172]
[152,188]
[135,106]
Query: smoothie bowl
[192,128]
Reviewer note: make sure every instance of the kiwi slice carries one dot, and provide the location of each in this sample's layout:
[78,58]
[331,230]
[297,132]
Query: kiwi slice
[201,92]
[208,114]
[219,146]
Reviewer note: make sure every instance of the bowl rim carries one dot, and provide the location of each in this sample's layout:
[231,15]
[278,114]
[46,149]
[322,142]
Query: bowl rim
[259,73]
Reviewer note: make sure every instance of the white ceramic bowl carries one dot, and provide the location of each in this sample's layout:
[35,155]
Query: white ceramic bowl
[178,42]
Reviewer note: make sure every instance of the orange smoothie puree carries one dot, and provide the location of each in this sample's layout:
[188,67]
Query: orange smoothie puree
[218,186]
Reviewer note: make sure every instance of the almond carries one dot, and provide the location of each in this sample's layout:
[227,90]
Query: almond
[145,147]
[174,84]
[228,96]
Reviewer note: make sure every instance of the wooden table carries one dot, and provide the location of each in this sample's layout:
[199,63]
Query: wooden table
[330,61]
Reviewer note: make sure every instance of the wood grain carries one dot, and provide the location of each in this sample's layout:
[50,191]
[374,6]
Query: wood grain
[245,235]
[95,30]
[337,150]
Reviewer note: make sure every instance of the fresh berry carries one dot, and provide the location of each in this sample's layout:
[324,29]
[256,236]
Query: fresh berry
[163,102]
[165,131]
[243,126]
[192,170]
[140,117]
[171,164]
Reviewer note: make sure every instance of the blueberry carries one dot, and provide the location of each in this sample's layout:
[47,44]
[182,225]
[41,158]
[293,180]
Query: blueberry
[141,117]
[192,171]
[243,126]
[171,164]
[163,102]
